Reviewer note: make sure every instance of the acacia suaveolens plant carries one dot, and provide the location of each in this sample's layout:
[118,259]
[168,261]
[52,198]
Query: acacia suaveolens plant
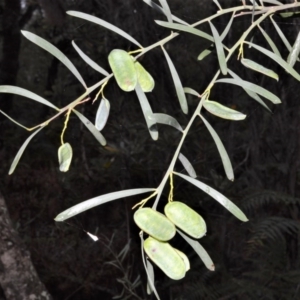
[131,76]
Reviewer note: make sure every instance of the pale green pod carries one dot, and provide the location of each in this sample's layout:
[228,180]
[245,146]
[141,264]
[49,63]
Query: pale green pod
[145,80]
[185,259]
[65,154]
[165,257]
[154,223]
[186,219]
[123,68]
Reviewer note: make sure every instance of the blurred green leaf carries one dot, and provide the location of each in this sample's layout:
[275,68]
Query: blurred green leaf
[294,53]
[187,165]
[89,61]
[167,120]
[104,24]
[289,14]
[88,204]
[102,114]
[166,10]
[21,150]
[223,153]
[94,131]
[150,272]
[230,206]
[218,4]
[145,79]
[147,111]
[252,87]
[270,42]
[219,48]
[188,90]
[177,83]
[259,68]
[204,256]
[10,89]
[222,111]
[55,52]
[65,154]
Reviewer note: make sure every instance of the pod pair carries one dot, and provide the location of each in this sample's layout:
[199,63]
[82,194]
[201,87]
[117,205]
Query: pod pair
[128,73]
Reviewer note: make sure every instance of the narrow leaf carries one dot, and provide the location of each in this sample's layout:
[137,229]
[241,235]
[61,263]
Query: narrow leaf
[166,10]
[219,48]
[177,83]
[102,114]
[259,68]
[204,256]
[89,61]
[88,204]
[150,271]
[270,42]
[230,206]
[10,89]
[250,93]
[218,4]
[94,131]
[272,2]
[222,111]
[167,120]
[204,53]
[294,53]
[55,52]
[185,28]
[188,90]
[252,87]
[65,154]
[278,59]
[223,153]
[187,165]
[21,150]
[147,111]
[104,24]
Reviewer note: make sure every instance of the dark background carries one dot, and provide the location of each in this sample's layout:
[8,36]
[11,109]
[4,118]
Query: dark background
[254,260]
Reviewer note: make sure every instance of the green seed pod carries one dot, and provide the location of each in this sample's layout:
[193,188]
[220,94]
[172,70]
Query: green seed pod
[65,154]
[154,223]
[186,219]
[145,80]
[123,68]
[165,257]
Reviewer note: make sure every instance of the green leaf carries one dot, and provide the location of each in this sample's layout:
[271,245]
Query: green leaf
[204,256]
[150,271]
[177,83]
[147,111]
[104,24]
[252,87]
[270,42]
[89,61]
[277,59]
[203,54]
[187,165]
[145,79]
[188,90]
[250,93]
[167,120]
[289,14]
[88,204]
[223,153]
[259,68]
[65,154]
[219,48]
[272,2]
[185,28]
[218,4]
[160,10]
[94,131]
[294,53]
[166,10]
[10,89]
[230,206]
[102,114]
[21,150]
[222,111]
[55,52]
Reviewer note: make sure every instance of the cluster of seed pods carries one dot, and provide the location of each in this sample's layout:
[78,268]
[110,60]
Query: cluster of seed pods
[162,228]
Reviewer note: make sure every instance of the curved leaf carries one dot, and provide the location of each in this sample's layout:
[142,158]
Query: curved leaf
[10,89]
[104,24]
[65,154]
[222,111]
[55,52]
[166,10]
[167,120]
[187,165]
[177,83]
[188,90]
[230,206]
[21,150]
[294,53]
[145,79]
[88,204]
[102,114]
[98,136]
[219,48]
[89,61]
[252,87]
[223,153]
[270,42]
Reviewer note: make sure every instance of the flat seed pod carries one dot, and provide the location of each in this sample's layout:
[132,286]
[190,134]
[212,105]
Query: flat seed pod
[186,219]
[65,154]
[165,257]
[185,259]
[102,114]
[123,68]
[154,223]
[145,80]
